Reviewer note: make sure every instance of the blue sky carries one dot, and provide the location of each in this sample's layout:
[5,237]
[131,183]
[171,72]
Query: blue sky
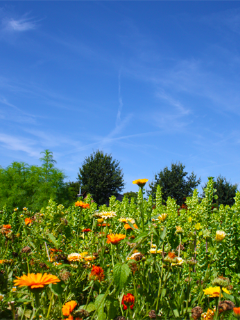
[152,83]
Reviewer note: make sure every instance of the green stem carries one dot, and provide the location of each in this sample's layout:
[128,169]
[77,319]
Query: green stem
[50,305]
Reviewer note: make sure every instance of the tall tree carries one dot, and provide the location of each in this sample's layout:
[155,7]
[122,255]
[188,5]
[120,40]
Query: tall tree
[175,183]
[101,176]
[22,185]
[225,191]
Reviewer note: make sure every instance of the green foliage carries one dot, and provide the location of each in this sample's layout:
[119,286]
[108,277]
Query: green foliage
[225,191]
[101,176]
[22,185]
[175,183]
[131,194]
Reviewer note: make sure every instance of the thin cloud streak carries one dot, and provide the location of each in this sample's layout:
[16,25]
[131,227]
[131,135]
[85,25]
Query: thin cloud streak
[19,144]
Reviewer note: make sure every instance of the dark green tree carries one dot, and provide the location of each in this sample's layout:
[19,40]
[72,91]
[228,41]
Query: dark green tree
[175,183]
[130,195]
[68,193]
[224,190]
[101,176]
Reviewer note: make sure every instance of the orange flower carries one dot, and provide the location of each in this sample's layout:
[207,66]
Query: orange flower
[86,230]
[97,273]
[33,280]
[55,250]
[82,205]
[28,221]
[115,238]
[68,308]
[89,258]
[236,312]
[140,182]
[104,225]
[127,226]
[7,226]
[171,255]
[128,300]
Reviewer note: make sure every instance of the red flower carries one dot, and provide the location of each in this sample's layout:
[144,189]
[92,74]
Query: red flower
[86,230]
[128,300]
[97,273]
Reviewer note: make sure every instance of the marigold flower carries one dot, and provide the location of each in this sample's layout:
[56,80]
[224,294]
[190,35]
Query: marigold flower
[106,214]
[24,209]
[127,226]
[236,312]
[220,235]
[97,273]
[76,256]
[140,182]
[1,296]
[68,307]
[28,221]
[34,281]
[89,258]
[128,300]
[86,230]
[82,204]
[16,209]
[115,238]
[214,292]
[209,314]
[7,226]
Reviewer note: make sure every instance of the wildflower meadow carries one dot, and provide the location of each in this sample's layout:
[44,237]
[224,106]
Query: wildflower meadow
[131,260]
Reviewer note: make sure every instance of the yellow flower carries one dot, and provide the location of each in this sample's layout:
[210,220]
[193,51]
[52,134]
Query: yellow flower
[214,292]
[16,209]
[189,219]
[178,262]
[24,209]
[162,217]
[14,289]
[154,250]
[1,297]
[125,220]
[100,220]
[153,245]
[220,235]
[197,226]
[179,229]
[140,182]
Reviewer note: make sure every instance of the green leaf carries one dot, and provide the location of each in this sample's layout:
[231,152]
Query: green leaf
[53,240]
[120,274]
[57,288]
[163,235]
[99,306]
[90,307]
[175,311]
[99,301]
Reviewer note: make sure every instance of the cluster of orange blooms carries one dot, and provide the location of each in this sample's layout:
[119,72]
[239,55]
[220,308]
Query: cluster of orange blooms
[82,204]
[115,238]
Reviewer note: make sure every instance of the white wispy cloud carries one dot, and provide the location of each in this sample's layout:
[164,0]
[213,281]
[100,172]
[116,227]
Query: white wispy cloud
[119,100]
[24,23]
[19,144]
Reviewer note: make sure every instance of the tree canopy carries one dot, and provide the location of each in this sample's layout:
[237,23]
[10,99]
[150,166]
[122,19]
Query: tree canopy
[101,176]
[175,183]
[22,185]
